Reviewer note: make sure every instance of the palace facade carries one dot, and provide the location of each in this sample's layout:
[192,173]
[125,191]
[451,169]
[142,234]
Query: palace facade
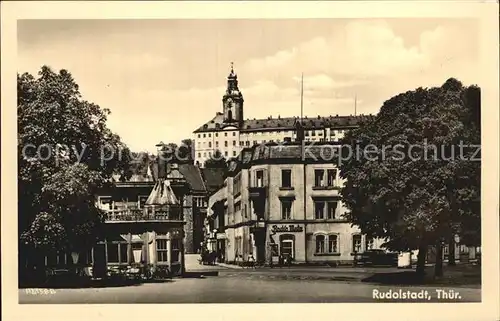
[229,133]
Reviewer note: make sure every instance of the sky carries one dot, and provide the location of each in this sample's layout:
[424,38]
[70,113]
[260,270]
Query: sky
[162,79]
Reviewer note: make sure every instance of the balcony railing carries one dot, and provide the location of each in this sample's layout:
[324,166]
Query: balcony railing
[171,213]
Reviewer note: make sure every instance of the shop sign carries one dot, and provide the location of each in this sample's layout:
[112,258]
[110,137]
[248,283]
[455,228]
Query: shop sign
[286,228]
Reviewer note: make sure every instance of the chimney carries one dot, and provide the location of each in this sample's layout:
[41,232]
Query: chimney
[300,132]
[161,160]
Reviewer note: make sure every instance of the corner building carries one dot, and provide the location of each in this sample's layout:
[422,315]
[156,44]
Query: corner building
[275,201]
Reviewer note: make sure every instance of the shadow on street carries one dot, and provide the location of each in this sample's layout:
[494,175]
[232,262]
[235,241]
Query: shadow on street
[75,283]
[463,275]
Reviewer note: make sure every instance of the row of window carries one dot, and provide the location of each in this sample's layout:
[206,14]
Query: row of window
[324,244]
[210,154]
[226,144]
[215,134]
[320,132]
[107,203]
[307,133]
[322,178]
[118,252]
[329,244]
[271,132]
[322,209]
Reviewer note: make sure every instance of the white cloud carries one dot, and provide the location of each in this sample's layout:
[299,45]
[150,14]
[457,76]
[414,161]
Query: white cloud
[325,82]
[367,58]
[365,49]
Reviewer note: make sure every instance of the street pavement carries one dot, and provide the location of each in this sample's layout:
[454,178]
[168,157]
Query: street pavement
[259,285]
[235,289]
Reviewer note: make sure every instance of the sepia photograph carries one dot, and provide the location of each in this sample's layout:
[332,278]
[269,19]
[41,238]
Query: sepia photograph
[239,160]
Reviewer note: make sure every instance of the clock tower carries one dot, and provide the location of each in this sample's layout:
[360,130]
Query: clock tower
[232,101]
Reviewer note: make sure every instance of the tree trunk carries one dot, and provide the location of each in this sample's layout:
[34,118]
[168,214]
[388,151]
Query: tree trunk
[422,253]
[451,252]
[438,268]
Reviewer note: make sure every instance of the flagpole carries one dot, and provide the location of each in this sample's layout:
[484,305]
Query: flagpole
[355,103]
[301,97]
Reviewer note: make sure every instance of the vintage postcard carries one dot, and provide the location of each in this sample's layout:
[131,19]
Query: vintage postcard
[250,152]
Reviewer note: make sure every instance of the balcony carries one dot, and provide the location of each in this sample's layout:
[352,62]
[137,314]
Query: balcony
[162,214]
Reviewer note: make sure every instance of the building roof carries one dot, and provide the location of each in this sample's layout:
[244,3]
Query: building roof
[191,173]
[193,176]
[249,125]
[215,124]
[288,153]
[213,177]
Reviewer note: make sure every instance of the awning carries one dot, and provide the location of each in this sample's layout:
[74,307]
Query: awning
[136,239]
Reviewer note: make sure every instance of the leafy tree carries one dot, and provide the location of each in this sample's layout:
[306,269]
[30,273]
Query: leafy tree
[181,154]
[186,150]
[404,184]
[216,161]
[65,153]
[140,161]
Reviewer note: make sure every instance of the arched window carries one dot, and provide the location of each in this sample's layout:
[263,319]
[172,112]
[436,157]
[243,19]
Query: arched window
[333,243]
[356,243]
[320,243]
[287,245]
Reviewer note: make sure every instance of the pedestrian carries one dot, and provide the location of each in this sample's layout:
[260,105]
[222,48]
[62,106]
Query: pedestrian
[251,261]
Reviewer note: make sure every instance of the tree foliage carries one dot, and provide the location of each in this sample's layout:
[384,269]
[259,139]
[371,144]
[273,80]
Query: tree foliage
[181,154]
[216,161]
[408,183]
[65,153]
